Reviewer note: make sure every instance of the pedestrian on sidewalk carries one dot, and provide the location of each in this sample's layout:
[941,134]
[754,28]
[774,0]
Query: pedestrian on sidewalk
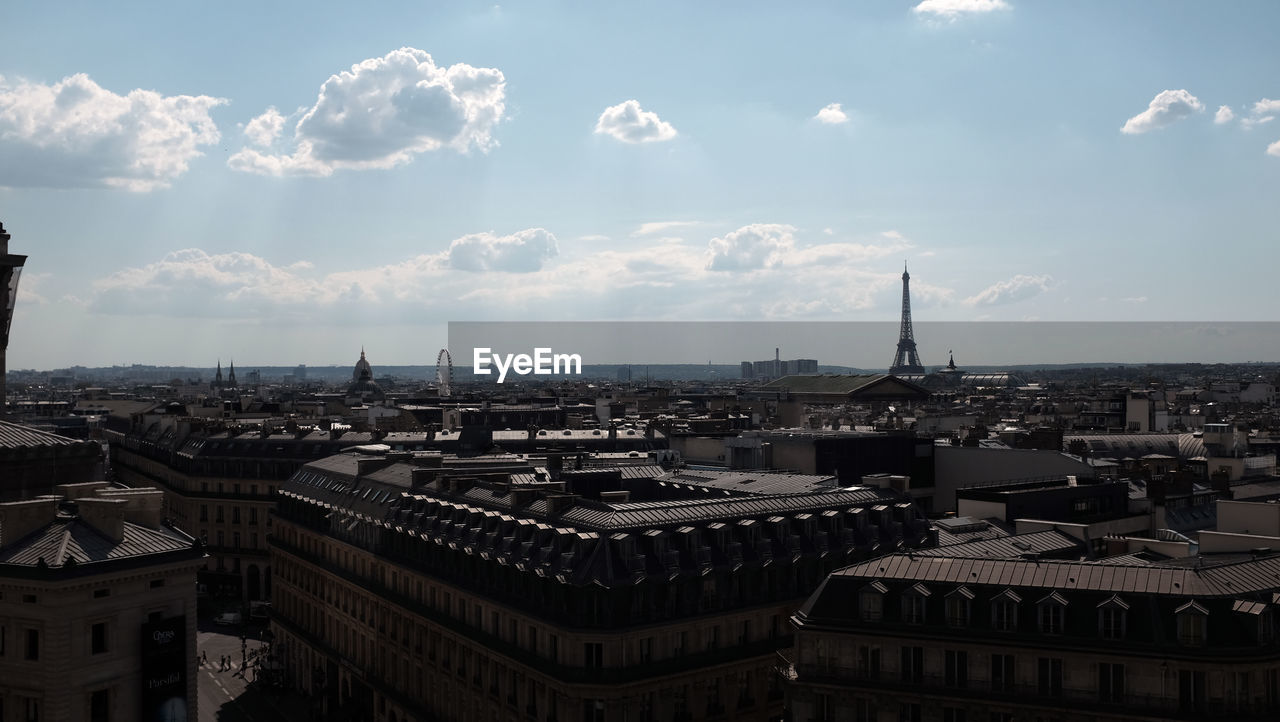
[204,657]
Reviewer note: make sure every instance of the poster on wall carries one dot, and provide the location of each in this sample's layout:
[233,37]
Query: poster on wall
[164,671]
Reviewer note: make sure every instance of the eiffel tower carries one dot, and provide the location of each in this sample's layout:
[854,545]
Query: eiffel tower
[906,360]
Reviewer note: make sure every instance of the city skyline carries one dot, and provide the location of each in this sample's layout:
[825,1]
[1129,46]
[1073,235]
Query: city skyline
[199,197]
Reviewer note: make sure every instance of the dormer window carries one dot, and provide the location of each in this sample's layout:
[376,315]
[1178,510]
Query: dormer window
[1112,617]
[959,606]
[1263,617]
[1052,613]
[1004,611]
[871,602]
[913,604]
[1193,622]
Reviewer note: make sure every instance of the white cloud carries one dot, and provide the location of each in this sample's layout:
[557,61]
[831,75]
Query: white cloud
[519,252]
[1274,149]
[1263,112]
[488,277]
[1134,299]
[265,129]
[1164,109]
[952,9]
[628,123]
[1224,115]
[832,114]
[76,134]
[384,111]
[755,246]
[1018,288]
[647,229]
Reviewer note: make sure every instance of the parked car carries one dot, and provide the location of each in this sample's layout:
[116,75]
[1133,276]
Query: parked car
[228,618]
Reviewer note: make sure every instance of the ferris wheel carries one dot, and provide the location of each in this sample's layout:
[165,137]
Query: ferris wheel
[444,372]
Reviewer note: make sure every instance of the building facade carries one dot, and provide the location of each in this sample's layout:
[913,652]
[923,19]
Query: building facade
[406,592]
[97,608]
[972,633]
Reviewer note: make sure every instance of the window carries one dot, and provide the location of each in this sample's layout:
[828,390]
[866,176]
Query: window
[913,604]
[1052,612]
[219,517]
[204,512]
[593,655]
[31,650]
[953,714]
[1004,611]
[1191,690]
[157,583]
[1111,618]
[958,605]
[909,712]
[31,708]
[871,602]
[869,662]
[1002,673]
[235,515]
[98,638]
[912,664]
[1050,677]
[1111,682]
[253,515]
[100,593]
[1192,622]
[235,539]
[956,668]
[100,706]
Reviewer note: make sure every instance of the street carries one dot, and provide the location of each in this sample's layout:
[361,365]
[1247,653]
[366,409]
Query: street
[229,696]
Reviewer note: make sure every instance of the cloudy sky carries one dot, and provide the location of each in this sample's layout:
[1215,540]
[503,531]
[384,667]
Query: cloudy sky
[284,183]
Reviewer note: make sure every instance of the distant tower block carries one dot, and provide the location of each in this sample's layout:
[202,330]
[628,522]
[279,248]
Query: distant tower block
[906,360]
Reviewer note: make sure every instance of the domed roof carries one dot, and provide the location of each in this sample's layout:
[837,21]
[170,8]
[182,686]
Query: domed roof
[363,371]
[362,383]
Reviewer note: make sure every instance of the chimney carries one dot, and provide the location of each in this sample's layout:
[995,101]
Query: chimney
[560,503]
[369,464]
[104,515]
[76,491]
[144,507]
[20,518]
[615,497]
[522,496]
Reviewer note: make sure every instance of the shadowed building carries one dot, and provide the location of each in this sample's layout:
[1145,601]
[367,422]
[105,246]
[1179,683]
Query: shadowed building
[995,630]
[97,608]
[32,462]
[10,270]
[406,592]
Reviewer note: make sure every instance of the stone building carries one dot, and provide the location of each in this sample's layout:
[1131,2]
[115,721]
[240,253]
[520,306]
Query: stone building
[97,608]
[993,630]
[406,592]
[32,461]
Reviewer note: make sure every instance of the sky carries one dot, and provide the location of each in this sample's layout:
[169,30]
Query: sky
[284,183]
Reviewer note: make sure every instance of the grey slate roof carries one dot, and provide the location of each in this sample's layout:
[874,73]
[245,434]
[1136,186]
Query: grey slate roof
[19,436]
[70,538]
[1189,580]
